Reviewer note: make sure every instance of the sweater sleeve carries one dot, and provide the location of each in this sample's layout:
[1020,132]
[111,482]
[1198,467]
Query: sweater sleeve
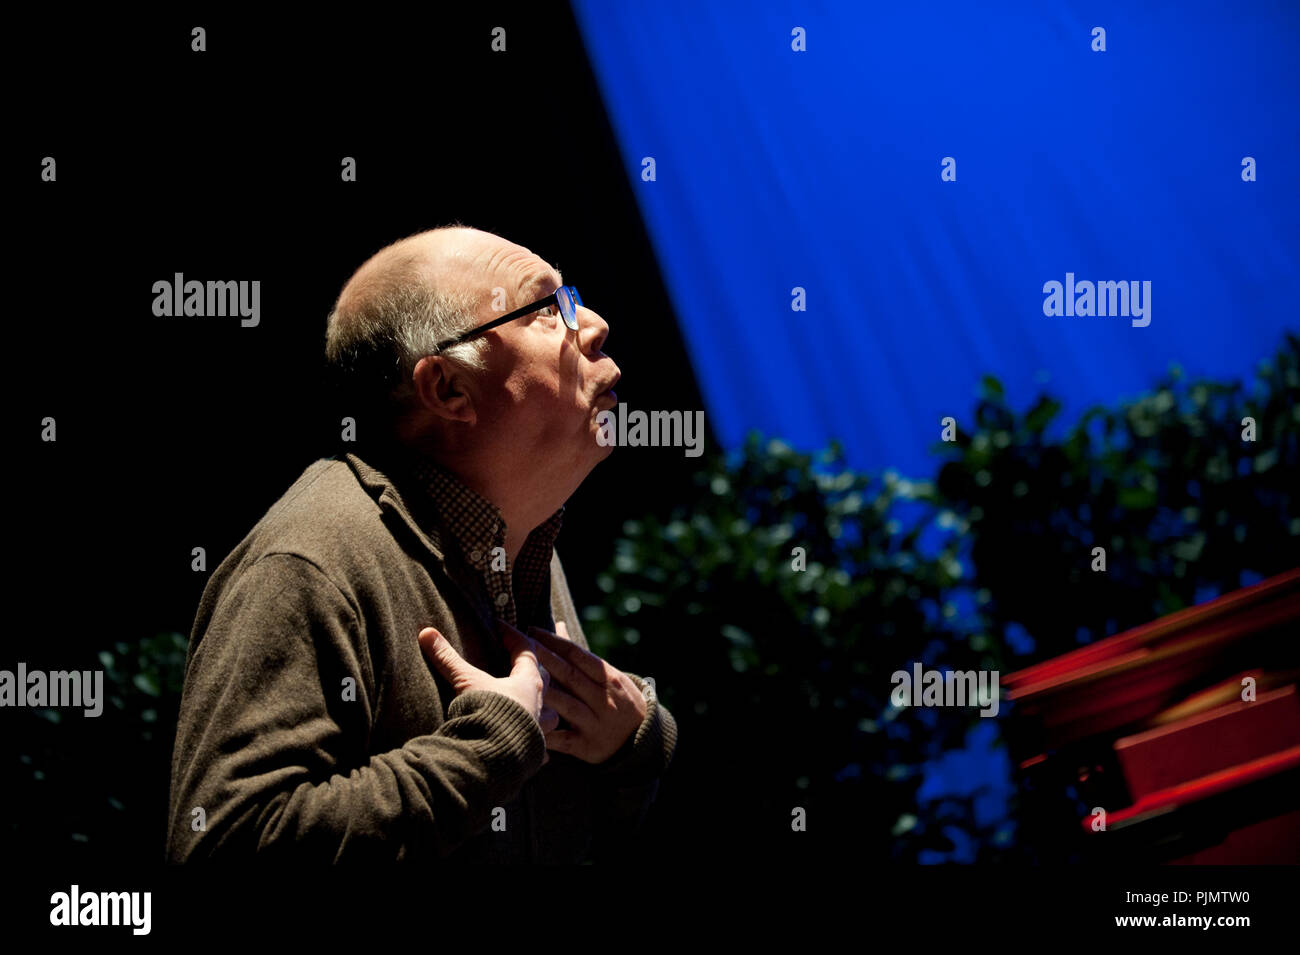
[625,785]
[628,782]
[272,750]
[649,750]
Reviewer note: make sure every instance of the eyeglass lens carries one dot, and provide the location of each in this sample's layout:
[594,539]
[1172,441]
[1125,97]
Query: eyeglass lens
[566,297]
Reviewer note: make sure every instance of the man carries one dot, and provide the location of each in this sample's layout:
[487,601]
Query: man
[389,666]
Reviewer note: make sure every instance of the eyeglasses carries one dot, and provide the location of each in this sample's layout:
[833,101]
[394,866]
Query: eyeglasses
[566,297]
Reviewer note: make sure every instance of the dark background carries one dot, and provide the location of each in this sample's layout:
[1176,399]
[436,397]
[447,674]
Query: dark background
[177,433]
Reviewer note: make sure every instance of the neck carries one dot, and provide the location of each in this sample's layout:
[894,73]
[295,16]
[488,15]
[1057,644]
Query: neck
[523,503]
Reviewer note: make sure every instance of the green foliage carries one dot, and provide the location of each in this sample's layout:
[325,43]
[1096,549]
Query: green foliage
[1184,507]
[781,677]
[142,677]
[784,673]
[102,780]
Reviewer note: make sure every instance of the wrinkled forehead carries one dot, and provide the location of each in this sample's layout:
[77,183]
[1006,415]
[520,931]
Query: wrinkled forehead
[528,276]
[482,262]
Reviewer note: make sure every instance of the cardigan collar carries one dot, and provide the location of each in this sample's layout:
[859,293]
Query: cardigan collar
[411,511]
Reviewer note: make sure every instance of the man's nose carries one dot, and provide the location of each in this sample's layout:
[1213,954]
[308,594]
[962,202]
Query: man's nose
[592,331]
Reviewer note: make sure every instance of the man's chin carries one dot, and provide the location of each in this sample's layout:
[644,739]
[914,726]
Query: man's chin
[603,450]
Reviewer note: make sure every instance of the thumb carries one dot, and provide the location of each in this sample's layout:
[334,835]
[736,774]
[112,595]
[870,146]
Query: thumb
[442,654]
[521,649]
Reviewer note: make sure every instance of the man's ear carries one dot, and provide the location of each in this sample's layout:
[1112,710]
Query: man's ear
[444,389]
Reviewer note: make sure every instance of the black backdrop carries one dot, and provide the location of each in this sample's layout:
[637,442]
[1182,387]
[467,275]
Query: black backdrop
[174,433]
[180,432]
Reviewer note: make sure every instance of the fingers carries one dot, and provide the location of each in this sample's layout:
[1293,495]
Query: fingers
[590,664]
[549,719]
[578,682]
[511,637]
[564,741]
[562,629]
[578,713]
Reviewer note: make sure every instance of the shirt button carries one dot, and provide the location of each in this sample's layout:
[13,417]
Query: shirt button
[503,599]
[475,556]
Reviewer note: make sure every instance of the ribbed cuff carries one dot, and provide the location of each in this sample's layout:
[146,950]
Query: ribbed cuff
[512,745]
[649,750]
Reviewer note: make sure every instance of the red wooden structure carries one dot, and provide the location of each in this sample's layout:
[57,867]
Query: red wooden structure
[1184,732]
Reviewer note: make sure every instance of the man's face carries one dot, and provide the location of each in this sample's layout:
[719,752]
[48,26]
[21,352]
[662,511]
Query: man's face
[545,383]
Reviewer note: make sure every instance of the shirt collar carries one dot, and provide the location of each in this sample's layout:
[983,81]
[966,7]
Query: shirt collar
[472,526]
[470,519]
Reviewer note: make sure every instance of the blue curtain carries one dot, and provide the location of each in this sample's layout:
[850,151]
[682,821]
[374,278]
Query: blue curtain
[822,170]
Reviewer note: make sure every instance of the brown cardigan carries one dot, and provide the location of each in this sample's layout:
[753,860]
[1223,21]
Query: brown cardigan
[312,728]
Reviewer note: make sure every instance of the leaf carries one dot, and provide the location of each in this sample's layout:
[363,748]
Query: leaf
[1042,414]
[906,823]
[1136,498]
[992,388]
[147,683]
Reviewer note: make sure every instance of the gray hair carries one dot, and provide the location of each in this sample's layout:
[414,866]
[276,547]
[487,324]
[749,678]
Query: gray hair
[374,339]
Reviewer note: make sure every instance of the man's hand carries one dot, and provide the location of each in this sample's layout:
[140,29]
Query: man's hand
[526,684]
[600,703]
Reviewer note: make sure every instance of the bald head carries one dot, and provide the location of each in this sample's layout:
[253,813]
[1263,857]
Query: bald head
[457,261]
[413,294]
[411,264]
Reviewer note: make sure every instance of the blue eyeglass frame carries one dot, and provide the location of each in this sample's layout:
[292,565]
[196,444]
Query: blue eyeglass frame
[566,297]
